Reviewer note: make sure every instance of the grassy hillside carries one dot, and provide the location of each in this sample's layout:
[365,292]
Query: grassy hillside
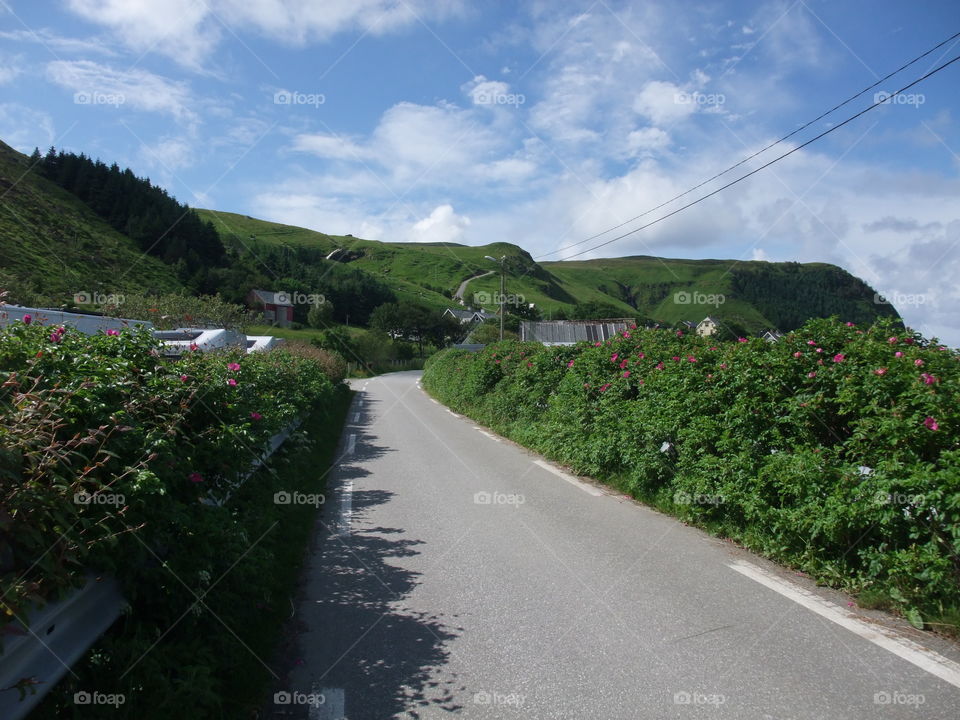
[51,244]
[755,295]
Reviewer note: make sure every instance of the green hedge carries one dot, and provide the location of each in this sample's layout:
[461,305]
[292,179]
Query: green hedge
[109,459]
[834,450]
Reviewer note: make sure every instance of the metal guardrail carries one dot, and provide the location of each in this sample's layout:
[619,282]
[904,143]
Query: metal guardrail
[60,633]
[57,636]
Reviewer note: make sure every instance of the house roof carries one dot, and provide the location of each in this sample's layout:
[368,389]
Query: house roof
[459,314]
[273,298]
[709,319]
[570,332]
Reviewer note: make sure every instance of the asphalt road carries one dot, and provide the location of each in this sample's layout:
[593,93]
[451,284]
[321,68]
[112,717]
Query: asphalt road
[453,575]
[463,286]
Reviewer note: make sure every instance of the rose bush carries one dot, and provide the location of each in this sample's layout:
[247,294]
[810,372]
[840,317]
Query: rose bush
[115,460]
[834,450]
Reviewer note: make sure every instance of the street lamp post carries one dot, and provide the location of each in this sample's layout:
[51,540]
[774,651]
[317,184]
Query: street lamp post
[502,261]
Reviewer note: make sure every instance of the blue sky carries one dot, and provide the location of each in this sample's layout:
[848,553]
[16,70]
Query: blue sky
[538,123]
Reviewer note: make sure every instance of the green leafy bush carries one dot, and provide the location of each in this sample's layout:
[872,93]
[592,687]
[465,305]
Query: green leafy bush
[115,460]
[834,450]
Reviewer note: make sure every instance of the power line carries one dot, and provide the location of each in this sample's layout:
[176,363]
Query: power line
[758,152]
[771,162]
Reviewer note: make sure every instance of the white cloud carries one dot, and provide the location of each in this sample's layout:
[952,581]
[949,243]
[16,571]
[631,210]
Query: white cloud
[58,43]
[663,103]
[489,93]
[24,128]
[169,154]
[181,29]
[442,225]
[330,146]
[188,31]
[93,83]
[9,72]
[648,139]
[419,146]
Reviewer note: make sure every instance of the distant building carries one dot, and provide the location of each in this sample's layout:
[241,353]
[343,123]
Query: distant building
[772,335]
[275,306]
[174,342]
[688,324]
[708,326]
[183,340]
[465,317]
[570,332]
[86,323]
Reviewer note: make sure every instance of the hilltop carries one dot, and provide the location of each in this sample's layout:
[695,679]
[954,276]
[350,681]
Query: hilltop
[51,243]
[752,294]
[54,244]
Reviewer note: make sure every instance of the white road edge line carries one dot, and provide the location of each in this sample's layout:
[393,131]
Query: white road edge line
[925,659]
[346,508]
[589,489]
[356,417]
[351,443]
[484,432]
[333,706]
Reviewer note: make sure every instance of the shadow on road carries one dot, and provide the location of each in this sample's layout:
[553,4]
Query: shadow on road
[353,631]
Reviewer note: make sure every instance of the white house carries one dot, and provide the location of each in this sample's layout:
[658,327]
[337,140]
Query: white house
[708,326]
[183,340]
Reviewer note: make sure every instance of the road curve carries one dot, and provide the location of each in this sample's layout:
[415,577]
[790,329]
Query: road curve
[453,574]
[458,295]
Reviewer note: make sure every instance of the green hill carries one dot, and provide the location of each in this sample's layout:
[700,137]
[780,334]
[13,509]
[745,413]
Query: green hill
[755,295]
[53,245]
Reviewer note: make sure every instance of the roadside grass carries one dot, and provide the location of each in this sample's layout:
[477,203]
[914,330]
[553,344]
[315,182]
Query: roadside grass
[219,666]
[295,469]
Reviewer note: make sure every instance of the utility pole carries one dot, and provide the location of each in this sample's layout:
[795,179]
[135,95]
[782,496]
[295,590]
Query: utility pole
[503,297]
